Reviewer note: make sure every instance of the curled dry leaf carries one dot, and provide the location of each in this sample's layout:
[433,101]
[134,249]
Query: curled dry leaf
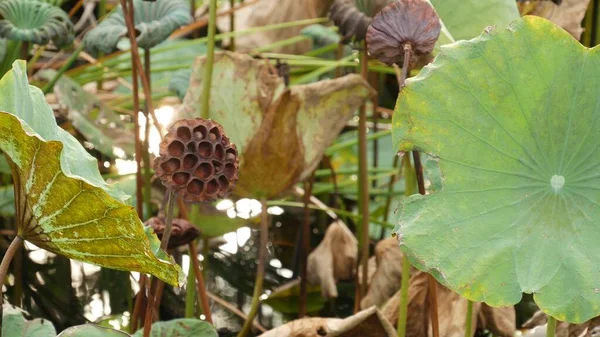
[568,14]
[265,13]
[590,328]
[412,22]
[386,280]
[334,259]
[183,231]
[305,119]
[197,160]
[367,323]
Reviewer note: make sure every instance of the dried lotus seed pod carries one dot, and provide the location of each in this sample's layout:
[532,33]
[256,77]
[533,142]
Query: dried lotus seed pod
[350,21]
[405,22]
[183,231]
[197,160]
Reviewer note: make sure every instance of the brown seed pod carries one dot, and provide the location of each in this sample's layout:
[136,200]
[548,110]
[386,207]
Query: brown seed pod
[197,161]
[183,231]
[350,21]
[403,22]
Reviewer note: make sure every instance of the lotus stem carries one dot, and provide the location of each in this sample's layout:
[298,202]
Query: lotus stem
[139,303]
[363,179]
[260,272]
[48,87]
[190,294]
[232,24]
[432,287]
[469,320]
[146,149]
[410,182]
[235,310]
[305,247]
[139,182]
[101,14]
[202,296]
[551,328]
[210,58]
[6,259]
[388,199]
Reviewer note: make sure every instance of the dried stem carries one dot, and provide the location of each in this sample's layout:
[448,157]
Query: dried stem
[432,292]
[409,189]
[305,247]
[135,55]
[139,304]
[146,154]
[232,25]
[260,272]
[363,179]
[8,256]
[210,58]
[202,296]
[235,310]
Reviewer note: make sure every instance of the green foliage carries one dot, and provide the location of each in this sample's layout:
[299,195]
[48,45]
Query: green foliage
[92,330]
[154,21]
[62,203]
[180,328]
[511,115]
[15,325]
[36,22]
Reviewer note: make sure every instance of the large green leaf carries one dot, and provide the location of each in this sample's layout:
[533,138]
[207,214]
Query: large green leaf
[100,125]
[280,133]
[91,330]
[15,325]
[35,21]
[62,203]
[511,116]
[154,22]
[180,328]
[467,19]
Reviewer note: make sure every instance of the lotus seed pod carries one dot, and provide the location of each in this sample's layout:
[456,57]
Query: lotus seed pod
[350,21]
[197,161]
[182,233]
[403,22]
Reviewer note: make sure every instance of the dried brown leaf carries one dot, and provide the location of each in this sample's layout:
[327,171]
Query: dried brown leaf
[568,15]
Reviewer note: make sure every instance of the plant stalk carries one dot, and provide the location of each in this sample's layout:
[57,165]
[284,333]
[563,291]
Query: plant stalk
[432,287]
[260,272]
[551,327]
[232,25]
[403,308]
[363,179]
[6,259]
[138,305]
[202,296]
[190,293]
[305,247]
[146,149]
[48,87]
[210,58]
[469,320]
[164,242]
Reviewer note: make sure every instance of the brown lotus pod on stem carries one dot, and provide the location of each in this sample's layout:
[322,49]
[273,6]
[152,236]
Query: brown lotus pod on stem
[350,21]
[197,161]
[401,29]
[182,232]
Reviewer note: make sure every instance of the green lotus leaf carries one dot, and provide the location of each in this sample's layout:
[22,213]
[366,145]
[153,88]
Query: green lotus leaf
[180,82]
[154,22]
[511,117]
[15,325]
[92,330]
[36,22]
[280,133]
[101,126]
[183,327]
[467,19]
[62,203]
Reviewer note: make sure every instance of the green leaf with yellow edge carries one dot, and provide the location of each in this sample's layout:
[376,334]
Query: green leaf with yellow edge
[62,203]
[512,117]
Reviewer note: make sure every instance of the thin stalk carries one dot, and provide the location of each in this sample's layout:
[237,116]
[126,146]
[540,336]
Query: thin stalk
[469,320]
[128,14]
[551,328]
[235,310]
[202,296]
[101,14]
[210,58]
[48,87]
[139,304]
[146,150]
[388,200]
[363,180]
[154,283]
[25,50]
[190,293]
[260,272]
[432,287]
[139,182]
[8,256]
[403,308]
[232,24]
[349,143]
[305,247]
